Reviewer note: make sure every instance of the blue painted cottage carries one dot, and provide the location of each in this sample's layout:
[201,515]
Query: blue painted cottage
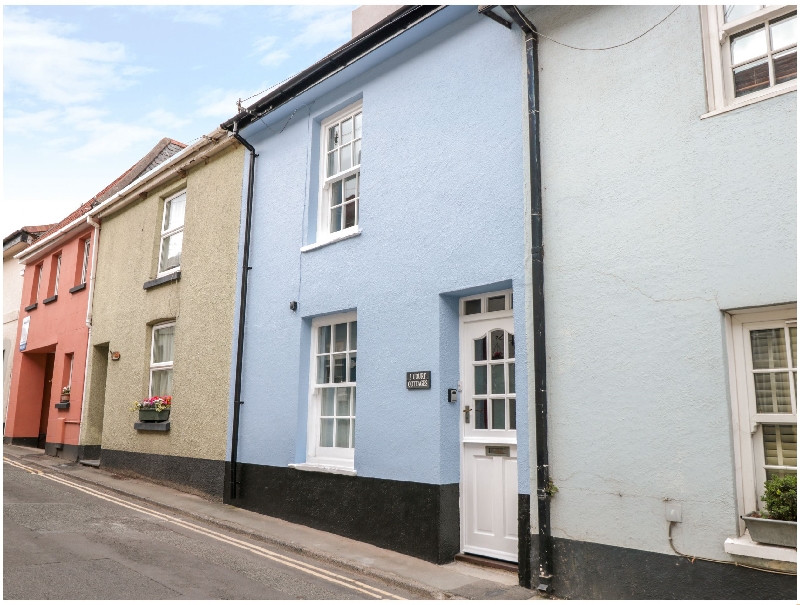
[380,382]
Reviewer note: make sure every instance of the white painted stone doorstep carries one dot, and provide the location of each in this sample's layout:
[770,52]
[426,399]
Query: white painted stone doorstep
[321,468]
[744,546]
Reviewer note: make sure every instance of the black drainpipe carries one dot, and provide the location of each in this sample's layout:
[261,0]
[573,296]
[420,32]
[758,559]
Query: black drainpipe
[237,391]
[537,273]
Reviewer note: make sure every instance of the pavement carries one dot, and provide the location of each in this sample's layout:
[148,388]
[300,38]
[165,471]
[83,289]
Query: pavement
[221,551]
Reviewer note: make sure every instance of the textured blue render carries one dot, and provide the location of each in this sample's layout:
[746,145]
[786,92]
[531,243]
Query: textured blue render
[442,215]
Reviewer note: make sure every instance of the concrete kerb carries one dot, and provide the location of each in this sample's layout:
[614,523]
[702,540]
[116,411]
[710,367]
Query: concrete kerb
[384,576]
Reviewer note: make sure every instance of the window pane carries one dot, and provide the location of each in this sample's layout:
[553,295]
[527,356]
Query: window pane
[342,432]
[171,251]
[352,368]
[326,432]
[737,11]
[480,414]
[750,78]
[496,303]
[785,65]
[480,380]
[333,162]
[498,343]
[783,33]
[780,444]
[347,131]
[324,339]
[339,368]
[336,219]
[326,407]
[772,393]
[499,414]
[333,137]
[512,378]
[349,215]
[353,335]
[350,188]
[358,126]
[749,46]
[160,383]
[336,193]
[174,213]
[793,340]
[480,349]
[343,401]
[163,344]
[512,414]
[498,379]
[357,153]
[769,349]
[512,352]
[323,369]
[353,432]
[339,338]
[354,400]
[471,307]
[347,157]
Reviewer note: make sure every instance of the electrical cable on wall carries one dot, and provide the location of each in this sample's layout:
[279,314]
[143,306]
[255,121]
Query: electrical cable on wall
[541,35]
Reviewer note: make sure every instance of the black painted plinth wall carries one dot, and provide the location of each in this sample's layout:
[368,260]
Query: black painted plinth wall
[72,452]
[416,519]
[197,475]
[586,570]
[24,441]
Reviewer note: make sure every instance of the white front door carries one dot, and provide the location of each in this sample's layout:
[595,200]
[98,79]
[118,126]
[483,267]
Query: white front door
[488,427]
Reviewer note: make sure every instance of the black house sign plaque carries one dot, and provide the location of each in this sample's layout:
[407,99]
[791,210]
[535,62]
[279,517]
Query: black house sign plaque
[418,380]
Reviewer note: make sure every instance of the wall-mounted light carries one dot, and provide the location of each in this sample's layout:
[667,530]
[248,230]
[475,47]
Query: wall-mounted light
[293,305]
[115,355]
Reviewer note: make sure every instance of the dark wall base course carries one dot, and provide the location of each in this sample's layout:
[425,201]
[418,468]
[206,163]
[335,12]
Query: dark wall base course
[587,570]
[416,519]
[72,452]
[24,441]
[196,475]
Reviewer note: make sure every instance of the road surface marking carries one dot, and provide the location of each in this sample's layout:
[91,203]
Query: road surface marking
[268,554]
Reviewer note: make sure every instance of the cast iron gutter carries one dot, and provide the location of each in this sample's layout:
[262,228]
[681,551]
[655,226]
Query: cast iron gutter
[537,275]
[237,389]
[377,35]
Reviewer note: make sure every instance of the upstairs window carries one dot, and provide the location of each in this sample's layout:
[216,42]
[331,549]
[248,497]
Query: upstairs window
[341,174]
[751,52]
[85,260]
[172,234]
[37,282]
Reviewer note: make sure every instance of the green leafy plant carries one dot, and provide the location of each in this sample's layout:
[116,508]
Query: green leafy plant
[551,490]
[780,498]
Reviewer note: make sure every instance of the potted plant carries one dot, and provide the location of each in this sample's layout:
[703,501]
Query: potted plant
[777,523]
[154,409]
[65,394]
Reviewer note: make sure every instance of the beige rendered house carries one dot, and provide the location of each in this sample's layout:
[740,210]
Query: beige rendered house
[162,318]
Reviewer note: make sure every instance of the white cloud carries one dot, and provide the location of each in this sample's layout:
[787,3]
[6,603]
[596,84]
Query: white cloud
[275,58]
[264,44]
[41,59]
[18,121]
[219,103]
[165,119]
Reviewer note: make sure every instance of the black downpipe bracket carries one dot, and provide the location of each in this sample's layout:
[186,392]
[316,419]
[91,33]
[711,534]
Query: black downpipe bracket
[237,391]
[545,554]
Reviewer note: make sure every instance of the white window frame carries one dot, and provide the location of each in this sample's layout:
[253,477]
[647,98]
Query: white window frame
[746,421]
[58,274]
[167,233]
[324,215]
[40,270]
[163,365]
[333,457]
[86,244]
[717,57]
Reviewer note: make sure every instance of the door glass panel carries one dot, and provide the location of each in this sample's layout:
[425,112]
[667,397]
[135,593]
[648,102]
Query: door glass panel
[499,414]
[769,349]
[480,380]
[480,349]
[480,414]
[496,303]
[339,338]
[512,378]
[471,307]
[498,344]
[772,393]
[498,379]
[512,414]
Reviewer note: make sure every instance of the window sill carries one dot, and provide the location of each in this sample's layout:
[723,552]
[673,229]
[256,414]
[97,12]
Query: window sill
[30,308]
[322,468]
[745,547]
[77,288]
[339,238]
[52,299]
[754,98]
[62,405]
[152,426]
[164,279]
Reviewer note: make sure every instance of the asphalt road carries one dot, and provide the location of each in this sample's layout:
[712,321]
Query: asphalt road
[63,539]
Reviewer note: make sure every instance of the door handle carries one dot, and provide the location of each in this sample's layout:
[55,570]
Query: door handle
[467,410]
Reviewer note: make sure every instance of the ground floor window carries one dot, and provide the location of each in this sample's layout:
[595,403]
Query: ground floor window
[162,356]
[332,396]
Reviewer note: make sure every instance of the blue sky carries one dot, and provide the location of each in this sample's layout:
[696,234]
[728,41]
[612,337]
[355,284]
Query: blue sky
[87,91]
